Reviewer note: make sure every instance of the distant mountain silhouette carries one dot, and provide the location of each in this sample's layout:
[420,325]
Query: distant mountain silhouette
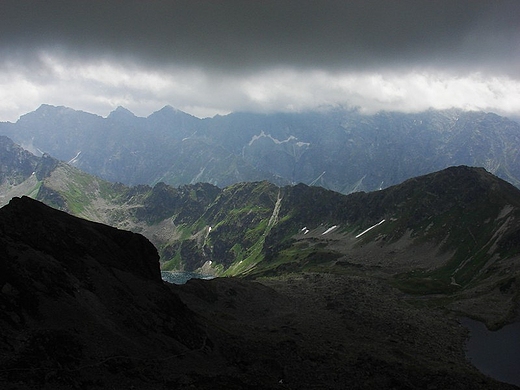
[339,150]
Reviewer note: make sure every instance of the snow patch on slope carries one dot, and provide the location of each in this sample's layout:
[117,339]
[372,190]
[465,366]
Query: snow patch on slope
[74,159]
[370,228]
[277,141]
[332,228]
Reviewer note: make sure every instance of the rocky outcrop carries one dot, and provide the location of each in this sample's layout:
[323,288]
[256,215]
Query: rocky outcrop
[70,240]
[81,300]
[16,164]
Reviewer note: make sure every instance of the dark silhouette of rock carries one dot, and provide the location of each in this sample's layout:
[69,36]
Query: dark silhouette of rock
[79,298]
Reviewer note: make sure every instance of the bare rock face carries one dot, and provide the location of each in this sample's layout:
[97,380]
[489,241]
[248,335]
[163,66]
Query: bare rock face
[341,150]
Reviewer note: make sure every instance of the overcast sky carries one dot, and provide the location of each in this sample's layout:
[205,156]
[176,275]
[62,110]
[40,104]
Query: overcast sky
[209,57]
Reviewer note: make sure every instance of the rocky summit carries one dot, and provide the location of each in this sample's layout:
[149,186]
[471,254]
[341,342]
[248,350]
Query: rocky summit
[83,306]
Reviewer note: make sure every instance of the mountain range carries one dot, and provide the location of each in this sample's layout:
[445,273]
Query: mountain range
[450,232]
[83,306]
[363,289]
[337,149]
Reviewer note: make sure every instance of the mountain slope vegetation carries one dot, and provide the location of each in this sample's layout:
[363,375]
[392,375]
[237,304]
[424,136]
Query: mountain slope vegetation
[451,235]
[84,306]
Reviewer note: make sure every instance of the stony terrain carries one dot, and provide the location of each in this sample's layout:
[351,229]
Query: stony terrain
[83,306]
[452,231]
[334,332]
[363,290]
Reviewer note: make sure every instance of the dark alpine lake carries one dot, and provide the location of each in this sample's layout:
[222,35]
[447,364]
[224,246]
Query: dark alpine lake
[495,354]
[182,277]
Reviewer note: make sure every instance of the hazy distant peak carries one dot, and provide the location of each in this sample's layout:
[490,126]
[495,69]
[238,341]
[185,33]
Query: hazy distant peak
[168,111]
[45,106]
[46,109]
[121,112]
[52,108]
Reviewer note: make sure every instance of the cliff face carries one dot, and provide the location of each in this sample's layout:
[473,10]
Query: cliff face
[341,150]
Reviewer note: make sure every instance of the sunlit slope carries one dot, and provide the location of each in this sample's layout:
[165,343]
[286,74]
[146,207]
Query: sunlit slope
[448,227]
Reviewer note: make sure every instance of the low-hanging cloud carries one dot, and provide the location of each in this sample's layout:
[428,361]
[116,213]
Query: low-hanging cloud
[212,57]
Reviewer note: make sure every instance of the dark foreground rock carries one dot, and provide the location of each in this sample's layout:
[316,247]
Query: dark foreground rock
[81,302]
[320,331]
[83,306]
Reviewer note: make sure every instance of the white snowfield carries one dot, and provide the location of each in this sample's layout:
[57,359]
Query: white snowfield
[370,228]
[315,180]
[198,176]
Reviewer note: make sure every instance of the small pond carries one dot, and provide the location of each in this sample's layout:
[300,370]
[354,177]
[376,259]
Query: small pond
[496,354]
[182,277]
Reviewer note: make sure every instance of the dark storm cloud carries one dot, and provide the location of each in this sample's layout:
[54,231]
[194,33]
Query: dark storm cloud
[208,57]
[243,35]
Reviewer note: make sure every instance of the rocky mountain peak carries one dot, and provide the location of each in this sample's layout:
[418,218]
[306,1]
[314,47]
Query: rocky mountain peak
[169,112]
[74,294]
[121,112]
[340,150]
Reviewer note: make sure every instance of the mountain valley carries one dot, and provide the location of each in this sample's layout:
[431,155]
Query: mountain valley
[260,195]
[84,306]
[451,233]
[397,267]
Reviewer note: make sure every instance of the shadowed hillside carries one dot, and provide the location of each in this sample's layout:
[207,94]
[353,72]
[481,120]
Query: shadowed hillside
[451,234]
[83,306]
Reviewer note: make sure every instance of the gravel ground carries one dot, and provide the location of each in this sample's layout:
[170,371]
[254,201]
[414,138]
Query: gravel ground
[311,331]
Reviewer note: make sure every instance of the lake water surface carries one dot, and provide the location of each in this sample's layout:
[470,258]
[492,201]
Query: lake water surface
[182,277]
[496,354]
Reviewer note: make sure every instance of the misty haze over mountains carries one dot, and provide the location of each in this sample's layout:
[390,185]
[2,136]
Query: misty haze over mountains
[445,242]
[209,58]
[347,173]
[387,275]
[337,149]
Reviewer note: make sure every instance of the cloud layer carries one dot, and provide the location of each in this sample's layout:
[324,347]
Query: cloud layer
[210,57]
